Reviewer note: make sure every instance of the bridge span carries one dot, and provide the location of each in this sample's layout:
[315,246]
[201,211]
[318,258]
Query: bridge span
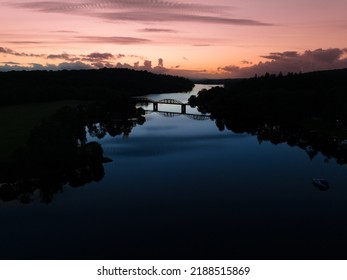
[145,100]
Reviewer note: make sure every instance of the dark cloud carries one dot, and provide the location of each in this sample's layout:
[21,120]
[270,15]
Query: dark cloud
[319,55]
[160,62]
[160,69]
[64,31]
[143,11]
[112,40]
[74,65]
[10,63]
[126,65]
[53,6]
[100,65]
[99,56]
[147,65]
[158,30]
[136,56]
[12,52]
[5,68]
[96,55]
[63,56]
[291,61]
[246,62]
[70,61]
[150,16]
[17,67]
[24,42]
[325,56]
[281,56]
[6,51]
[36,66]
[202,45]
[93,57]
[230,68]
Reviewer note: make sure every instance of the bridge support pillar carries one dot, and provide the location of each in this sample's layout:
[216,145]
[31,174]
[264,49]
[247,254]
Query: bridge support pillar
[183,108]
[155,106]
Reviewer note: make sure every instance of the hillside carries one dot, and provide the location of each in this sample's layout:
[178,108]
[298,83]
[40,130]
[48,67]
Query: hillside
[42,86]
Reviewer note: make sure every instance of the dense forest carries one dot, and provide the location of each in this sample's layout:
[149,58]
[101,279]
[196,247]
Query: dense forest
[58,152]
[305,110]
[279,97]
[42,86]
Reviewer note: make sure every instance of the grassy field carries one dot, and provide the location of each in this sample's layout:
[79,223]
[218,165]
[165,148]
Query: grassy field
[17,121]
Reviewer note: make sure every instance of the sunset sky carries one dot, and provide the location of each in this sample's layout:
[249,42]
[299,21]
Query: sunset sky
[195,38]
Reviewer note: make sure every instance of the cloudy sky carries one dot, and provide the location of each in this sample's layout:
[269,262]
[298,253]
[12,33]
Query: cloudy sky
[195,38]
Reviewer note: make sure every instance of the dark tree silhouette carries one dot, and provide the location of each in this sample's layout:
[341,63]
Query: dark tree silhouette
[305,110]
[57,152]
[40,86]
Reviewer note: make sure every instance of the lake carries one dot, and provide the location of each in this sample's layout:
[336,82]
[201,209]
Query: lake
[179,188]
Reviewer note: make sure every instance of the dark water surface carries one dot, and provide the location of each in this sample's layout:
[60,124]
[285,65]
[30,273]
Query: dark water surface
[178,188]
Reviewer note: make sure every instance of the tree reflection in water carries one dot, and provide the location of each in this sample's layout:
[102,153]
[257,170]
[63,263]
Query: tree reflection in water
[279,120]
[57,152]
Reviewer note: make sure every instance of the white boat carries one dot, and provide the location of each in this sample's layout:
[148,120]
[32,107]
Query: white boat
[322,184]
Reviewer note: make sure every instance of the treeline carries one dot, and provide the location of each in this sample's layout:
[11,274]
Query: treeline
[292,81]
[42,86]
[278,97]
[58,151]
[304,110]
[214,81]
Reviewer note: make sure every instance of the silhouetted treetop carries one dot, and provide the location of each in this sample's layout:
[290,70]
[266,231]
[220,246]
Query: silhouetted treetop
[33,86]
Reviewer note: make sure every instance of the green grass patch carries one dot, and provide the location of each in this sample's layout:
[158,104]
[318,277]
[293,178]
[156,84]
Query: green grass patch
[17,121]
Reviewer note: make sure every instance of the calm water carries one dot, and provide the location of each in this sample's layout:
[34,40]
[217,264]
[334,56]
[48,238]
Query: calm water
[179,188]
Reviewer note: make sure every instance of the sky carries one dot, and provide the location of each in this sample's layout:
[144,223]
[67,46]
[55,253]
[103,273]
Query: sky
[195,38]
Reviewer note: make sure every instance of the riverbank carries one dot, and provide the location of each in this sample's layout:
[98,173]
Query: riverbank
[305,110]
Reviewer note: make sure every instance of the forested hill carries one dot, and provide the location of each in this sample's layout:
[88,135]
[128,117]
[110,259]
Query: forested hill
[39,86]
[319,80]
[281,97]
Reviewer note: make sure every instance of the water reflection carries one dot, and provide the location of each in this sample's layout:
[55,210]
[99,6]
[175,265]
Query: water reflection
[176,188]
[314,135]
[58,153]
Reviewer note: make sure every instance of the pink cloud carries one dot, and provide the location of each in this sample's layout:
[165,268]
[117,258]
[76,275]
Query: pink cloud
[112,40]
[150,16]
[99,56]
[12,52]
[291,61]
[230,68]
[158,30]
[144,11]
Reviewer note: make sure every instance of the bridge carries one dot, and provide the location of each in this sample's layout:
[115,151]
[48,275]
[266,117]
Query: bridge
[144,100]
